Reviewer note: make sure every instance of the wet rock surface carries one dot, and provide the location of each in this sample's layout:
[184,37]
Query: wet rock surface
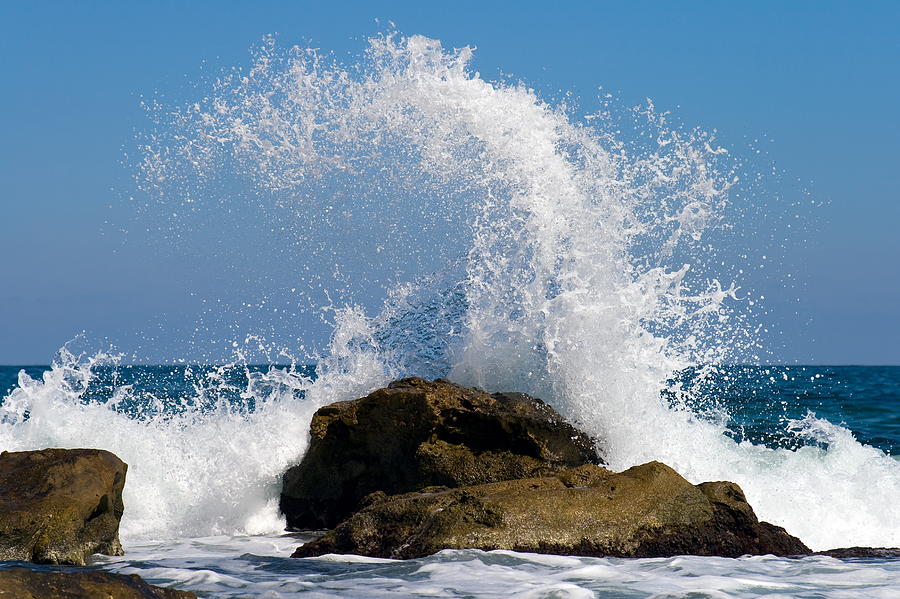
[22,583]
[862,552]
[416,434]
[645,511]
[59,506]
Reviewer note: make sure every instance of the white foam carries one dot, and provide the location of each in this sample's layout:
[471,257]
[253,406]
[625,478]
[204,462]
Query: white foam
[196,472]
[217,567]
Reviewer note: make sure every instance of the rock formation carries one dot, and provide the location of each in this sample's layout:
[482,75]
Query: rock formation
[645,511]
[59,506]
[416,434]
[22,583]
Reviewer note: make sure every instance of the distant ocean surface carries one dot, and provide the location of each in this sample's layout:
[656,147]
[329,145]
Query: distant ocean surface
[761,402]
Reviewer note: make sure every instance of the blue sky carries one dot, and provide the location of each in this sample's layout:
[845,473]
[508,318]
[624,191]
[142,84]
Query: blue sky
[819,79]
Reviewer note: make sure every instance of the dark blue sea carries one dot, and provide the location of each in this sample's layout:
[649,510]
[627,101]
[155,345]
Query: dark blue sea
[759,400]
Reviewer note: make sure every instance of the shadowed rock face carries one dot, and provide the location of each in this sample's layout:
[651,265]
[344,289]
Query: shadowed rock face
[416,434]
[646,511]
[21,583]
[59,506]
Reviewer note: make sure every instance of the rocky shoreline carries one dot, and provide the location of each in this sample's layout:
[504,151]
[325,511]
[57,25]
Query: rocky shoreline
[407,471]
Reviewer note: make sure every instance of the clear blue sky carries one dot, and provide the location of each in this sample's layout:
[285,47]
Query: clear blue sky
[818,78]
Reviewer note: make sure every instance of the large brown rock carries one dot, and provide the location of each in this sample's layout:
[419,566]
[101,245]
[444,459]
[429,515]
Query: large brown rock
[21,583]
[59,506]
[646,511]
[416,434]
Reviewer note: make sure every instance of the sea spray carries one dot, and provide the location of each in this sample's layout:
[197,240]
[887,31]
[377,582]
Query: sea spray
[518,248]
[203,465]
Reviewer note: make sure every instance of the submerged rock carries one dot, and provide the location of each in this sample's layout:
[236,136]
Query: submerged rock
[415,434]
[645,511]
[59,506]
[22,583]
[862,552]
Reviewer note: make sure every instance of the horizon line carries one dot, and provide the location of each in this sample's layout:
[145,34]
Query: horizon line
[797,365]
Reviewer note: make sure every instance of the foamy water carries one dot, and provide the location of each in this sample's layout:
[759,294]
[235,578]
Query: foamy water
[259,567]
[192,472]
[534,251]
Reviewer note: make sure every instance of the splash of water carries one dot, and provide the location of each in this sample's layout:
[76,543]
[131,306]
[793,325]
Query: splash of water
[541,253]
[205,465]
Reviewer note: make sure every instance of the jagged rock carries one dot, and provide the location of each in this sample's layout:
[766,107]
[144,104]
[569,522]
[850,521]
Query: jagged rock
[22,583]
[415,434]
[59,506]
[645,511]
[860,552]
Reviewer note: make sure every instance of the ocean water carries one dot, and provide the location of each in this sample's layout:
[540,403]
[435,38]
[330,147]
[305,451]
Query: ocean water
[442,224]
[764,404]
